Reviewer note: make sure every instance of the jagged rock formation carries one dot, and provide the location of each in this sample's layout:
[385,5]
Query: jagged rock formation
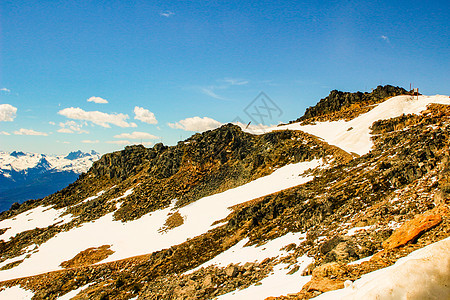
[378,207]
[347,105]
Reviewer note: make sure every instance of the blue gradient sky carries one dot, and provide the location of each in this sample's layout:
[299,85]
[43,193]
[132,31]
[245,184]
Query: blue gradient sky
[182,59]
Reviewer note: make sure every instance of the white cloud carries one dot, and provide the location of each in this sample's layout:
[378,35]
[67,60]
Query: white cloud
[235,81]
[209,91]
[5,90]
[121,142]
[385,38]
[196,124]
[71,127]
[97,100]
[136,136]
[144,115]
[97,117]
[7,112]
[23,131]
[52,123]
[90,141]
[4,133]
[64,130]
[166,13]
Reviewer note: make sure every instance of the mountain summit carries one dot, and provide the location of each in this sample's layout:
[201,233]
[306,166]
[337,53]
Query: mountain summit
[330,206]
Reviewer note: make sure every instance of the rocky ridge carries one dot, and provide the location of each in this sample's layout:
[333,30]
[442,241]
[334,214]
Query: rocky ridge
[340,105]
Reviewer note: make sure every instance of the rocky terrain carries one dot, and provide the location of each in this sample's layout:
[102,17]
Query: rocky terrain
[227,214]
[346,105]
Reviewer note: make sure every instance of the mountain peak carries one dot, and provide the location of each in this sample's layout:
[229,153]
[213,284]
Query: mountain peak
[340,104]
[17,154]
[79,154]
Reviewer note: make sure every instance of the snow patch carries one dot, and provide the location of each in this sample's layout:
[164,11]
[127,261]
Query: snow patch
[239,254]
[73,293]
[423,274]
[39,217]
[355,230]
[127,238]
[16,293]
[358,140]
[276,284]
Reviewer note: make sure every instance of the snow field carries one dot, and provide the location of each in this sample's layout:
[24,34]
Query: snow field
[423,274]
[16,293]
[354,135]
[276,284]
[239,254]
[39,217]
[142,236]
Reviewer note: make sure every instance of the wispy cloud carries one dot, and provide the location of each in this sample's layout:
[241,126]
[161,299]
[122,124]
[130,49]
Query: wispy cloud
[144,115]
[385,38]
[223,84]
[90,141]
[196,124]
[235,81]
[23,131]
[7,112]
[136,136]
[167,13]
[71,127]
[97,117]
[97,100]
[4,133]
[5,90]
[209,91]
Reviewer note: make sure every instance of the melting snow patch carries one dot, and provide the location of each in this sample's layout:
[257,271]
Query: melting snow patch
[16,293]
[276,284]
[239,254]
[358,140]
[73,293]
[423,274]
[92,198]
[39,217]
[360,261]
[355,230]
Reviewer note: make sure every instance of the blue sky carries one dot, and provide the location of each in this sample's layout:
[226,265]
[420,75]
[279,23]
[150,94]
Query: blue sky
[169,68]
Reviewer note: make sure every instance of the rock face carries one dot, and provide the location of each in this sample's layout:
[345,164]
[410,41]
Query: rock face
[337,101]
[411,230]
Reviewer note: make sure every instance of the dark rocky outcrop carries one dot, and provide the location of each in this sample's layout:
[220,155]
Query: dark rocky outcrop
[337,101]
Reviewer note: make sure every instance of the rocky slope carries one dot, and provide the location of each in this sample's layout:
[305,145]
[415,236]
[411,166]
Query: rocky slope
[231,215]
[347,105]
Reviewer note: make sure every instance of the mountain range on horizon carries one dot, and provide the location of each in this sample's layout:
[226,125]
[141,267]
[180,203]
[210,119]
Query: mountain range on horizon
[349,201]
[25,176]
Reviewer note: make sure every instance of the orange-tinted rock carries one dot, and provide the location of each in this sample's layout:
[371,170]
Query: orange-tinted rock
[325,284]
[411,230]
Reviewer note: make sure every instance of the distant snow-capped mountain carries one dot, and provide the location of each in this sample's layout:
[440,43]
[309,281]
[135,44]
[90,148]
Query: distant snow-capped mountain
[76,161]
[31,175]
